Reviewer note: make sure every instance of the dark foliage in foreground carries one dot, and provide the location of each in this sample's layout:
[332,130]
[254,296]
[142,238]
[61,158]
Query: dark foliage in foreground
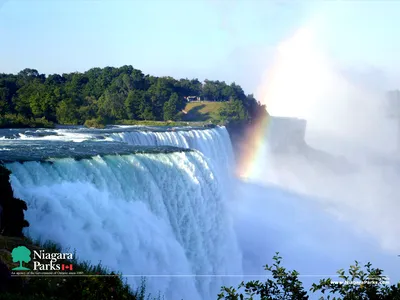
[361,283]
[98,282]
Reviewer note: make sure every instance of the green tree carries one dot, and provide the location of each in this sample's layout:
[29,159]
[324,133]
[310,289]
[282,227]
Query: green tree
[111,105]
[284,285]
[148,114]
[232,111]
[160,93]
[210,90]
[27,73]
[134,104]
[8,88]
[67,112]
[171,107]
[89,109]
[187,87]
[237,92]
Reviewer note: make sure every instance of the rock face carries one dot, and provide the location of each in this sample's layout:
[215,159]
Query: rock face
[5,277]
[1,214]
[12,219]
[283,134]
[286,134]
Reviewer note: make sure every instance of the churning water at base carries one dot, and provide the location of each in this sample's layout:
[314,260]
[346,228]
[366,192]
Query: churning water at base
[146,214]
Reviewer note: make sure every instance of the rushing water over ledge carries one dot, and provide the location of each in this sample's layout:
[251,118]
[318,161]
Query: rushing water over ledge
[144,210]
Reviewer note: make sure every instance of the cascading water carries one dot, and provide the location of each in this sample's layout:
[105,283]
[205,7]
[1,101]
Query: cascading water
[160,215]
[214,143]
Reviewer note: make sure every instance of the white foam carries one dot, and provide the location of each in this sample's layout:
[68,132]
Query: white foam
[159,214]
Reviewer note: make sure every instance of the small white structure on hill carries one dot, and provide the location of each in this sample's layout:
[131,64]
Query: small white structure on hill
[192,98]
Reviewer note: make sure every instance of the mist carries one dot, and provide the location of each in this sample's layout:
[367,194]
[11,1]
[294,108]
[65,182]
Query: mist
[310,240]
[334,199]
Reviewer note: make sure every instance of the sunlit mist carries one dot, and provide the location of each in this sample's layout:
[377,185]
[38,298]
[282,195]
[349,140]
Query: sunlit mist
[347,127]
[306,83]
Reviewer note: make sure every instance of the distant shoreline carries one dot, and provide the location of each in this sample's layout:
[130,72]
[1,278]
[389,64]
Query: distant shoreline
[121,123]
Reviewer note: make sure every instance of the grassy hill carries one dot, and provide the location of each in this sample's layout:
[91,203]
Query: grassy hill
[202,111]
[194,114]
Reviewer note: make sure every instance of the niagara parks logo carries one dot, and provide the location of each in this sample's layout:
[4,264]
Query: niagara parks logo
[21,254]
[41,261]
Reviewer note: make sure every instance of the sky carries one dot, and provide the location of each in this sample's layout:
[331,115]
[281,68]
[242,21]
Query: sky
[233,40]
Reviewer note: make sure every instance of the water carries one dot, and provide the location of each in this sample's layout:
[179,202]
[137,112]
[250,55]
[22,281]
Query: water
[151,210]
[143,204]
[214,143]
[40,150]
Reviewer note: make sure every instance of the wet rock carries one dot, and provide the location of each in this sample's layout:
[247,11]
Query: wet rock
[12,219]
[5,277]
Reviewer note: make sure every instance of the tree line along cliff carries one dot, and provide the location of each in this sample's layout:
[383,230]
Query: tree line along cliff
[109,95]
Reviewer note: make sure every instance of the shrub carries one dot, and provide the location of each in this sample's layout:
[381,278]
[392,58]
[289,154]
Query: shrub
[95,123]
[20,121]
[285,285]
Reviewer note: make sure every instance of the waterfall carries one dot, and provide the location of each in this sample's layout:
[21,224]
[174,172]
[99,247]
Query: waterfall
[157,215]
[214,143]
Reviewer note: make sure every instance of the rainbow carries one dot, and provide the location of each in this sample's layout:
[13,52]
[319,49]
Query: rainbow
[306,84]
[280,87]
[252,148]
